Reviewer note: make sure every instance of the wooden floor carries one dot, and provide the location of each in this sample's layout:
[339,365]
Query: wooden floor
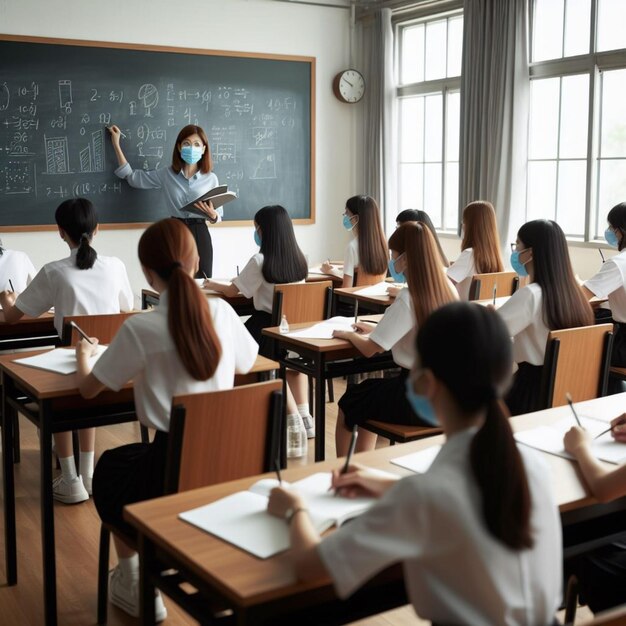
[77,532]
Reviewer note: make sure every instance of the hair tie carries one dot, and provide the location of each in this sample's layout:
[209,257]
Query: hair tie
[86,236]
[175,265]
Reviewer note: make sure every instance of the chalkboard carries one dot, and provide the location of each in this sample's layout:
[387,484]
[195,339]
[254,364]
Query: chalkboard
[57,96]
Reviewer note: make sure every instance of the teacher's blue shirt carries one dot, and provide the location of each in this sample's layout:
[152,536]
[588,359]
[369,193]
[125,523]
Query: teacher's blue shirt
[178,190]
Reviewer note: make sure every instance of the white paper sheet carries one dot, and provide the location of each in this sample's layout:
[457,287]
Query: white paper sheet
[379,289]
[499,301]
[418,462]
[324,330]
[59,360]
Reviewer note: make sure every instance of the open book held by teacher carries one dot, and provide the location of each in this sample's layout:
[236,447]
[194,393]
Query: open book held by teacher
[219,196]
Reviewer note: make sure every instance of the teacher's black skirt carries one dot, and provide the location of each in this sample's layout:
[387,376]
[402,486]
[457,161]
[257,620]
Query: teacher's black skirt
[202,237]
[381,399]
[525,393]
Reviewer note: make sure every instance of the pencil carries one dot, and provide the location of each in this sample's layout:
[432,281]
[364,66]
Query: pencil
[11,285]
[277,468]
[81,331]
[604,432]
[356,312]
[601,254]
[495,292]
[355,434]
[571,406]
[238,270]
[205,276]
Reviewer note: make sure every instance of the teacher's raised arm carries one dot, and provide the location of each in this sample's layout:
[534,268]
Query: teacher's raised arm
[188,178]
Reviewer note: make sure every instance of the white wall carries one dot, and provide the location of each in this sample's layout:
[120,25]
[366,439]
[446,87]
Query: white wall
[246,25]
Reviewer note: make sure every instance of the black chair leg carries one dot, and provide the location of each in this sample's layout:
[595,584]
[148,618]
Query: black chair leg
[331,390]
[571,600]
[103,574]
[16,439]
[145,437]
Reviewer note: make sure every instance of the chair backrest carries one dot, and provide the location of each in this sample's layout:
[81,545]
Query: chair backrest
[361,279]
[483,284]
[577,362]
[224,435]
[302,302]
[104,327]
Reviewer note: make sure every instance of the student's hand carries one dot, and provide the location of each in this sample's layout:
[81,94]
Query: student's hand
[7,299]
[207,207]
[364,328]
[619,428]
[343,334]
[327,267]
[281,500]
[393,291]
[84,349]
[360,481]
[575,439]
[115,133]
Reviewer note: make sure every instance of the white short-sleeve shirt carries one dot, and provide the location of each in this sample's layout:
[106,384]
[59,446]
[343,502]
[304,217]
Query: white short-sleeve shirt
[102,289]
[144,351]
[252,284]
[455,571]
[610,282]
[351,257]
[16,267]
[461,272]
[523,315]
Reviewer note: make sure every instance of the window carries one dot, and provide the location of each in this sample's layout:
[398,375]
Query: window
[429,70]
[577,131]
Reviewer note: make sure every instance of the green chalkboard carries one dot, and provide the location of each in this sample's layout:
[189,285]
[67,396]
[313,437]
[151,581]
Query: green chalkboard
[57,96]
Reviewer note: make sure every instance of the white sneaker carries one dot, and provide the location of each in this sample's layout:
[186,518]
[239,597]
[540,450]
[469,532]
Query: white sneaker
[124,593]
[87,480]
[69,492]
[309,426]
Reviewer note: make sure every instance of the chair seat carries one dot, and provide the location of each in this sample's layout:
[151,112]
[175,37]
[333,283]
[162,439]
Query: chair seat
[399,432]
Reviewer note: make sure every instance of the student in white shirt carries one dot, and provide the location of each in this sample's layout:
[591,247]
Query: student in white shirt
[610,281]
[278,261]
[415,215]
[601,572]
[84,283]
[478,534]
[367,251]
[480,247]
[551,301]
[187,345]
[15,266]
[414,259]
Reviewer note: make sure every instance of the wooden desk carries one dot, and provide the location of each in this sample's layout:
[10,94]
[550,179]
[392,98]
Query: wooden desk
[52,403]
[29,332]
[323,359]
[261,370]
[241,304]
[258,590]
[380,303]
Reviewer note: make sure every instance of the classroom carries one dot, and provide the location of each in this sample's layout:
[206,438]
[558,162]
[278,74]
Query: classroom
[393,392]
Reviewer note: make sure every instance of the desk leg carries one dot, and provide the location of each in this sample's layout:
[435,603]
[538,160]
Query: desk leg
[320,409]
[146,588]
[8,480]
[282,372]
[47,518]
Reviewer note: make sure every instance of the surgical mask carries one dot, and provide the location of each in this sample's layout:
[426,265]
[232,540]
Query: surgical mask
[191,154]
[517,265]
[398,277]
[347,223]
[257,238]
[611,238]
[421,405]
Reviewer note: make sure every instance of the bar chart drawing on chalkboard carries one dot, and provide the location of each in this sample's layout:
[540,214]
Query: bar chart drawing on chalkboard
[57,155]
[91,157]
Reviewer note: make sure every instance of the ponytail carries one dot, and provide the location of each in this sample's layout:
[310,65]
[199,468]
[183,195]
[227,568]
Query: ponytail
[77,217]
[85,255]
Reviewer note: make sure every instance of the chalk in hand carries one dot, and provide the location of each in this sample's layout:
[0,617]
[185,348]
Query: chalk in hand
[121,133]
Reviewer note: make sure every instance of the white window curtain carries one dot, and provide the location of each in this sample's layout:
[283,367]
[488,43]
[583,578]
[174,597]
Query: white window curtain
[494,109]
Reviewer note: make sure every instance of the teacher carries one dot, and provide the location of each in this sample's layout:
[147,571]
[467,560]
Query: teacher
[188,178]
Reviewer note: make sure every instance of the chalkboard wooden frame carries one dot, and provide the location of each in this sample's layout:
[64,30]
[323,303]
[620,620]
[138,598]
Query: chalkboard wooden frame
[194,51]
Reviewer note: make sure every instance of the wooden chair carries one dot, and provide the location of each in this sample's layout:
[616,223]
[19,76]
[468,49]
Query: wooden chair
[361,279]
[214,437]
[104,327]
[482,285]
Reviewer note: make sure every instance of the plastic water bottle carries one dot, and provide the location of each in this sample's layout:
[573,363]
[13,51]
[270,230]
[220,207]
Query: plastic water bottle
[284,325]
[296,437]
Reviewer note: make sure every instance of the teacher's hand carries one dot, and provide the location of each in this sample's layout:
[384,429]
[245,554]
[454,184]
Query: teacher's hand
[115,133]
[207,207]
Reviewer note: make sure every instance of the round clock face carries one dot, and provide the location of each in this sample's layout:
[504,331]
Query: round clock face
[349,86]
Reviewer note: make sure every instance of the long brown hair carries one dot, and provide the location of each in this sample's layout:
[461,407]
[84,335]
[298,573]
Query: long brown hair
[428,285]
[481,234]
[373,252]
[205,165]
[168,248]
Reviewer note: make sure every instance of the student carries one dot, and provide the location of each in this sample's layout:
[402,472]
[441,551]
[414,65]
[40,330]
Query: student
[479,534]
[16,267]
[413,215]
[480,247]
[187,345]
[414,256]
[188,177]
[551,301]
[601,573]
[610,281]
[85,283]
[367,251]
[278,261]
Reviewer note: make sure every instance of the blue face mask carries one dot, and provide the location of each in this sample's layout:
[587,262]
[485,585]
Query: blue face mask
[517,265]
[398,277]
[421,405]
[257,238]
[191,154]
[611,238]
[347,223]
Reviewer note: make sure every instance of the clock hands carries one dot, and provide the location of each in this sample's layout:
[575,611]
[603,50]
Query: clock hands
[349,83]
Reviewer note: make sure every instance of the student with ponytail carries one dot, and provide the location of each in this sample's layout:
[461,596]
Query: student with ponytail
[187,345]
[415,260]
[85,283]
[478,533]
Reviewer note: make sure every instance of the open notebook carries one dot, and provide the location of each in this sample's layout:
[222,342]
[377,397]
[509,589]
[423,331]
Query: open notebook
[59,360]
[242,518]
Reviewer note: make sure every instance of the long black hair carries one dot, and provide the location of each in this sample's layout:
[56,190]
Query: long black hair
[78,218]
[416,215]
[617,219]
[373,251]
[476,382]
[564,304]
[283,261]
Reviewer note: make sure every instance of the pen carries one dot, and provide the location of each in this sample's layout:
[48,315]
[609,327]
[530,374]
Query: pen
[604,432]
[571,406]
[356,312]
[601,254]
[81,331]
[495,292]
[238,270]
[205,276]
[11,285]
[370,321]
[121,133]
[277,468]
[355,434]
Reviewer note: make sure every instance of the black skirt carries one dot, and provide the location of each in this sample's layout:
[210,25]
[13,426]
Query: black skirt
[129,474]
[381,399]
[525,393]
[255,324]
[202,237]
[618,355]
